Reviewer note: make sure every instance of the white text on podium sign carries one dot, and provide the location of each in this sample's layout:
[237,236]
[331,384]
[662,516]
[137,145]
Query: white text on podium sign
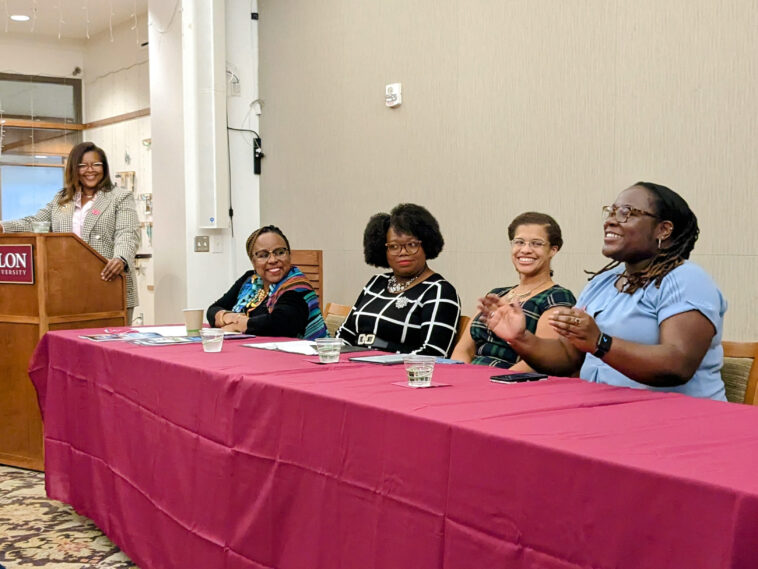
[16,264]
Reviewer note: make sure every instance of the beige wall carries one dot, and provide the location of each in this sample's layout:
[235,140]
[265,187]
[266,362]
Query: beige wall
[510,106]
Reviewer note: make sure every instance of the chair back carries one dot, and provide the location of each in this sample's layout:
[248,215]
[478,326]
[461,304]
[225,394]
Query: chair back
[740,372]
[462,325]
[310,262]
[334,316]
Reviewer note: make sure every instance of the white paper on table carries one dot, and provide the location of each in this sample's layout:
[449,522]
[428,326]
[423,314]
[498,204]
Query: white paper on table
[179,331]
[164,330]
[304,347]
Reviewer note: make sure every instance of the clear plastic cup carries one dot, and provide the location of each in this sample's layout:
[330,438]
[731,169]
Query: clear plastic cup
[213,339]
[328,350]
[419,370]
[41,226]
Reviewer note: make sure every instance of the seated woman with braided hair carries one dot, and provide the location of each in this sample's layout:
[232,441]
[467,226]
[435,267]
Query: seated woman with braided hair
[274,299]
[650,319]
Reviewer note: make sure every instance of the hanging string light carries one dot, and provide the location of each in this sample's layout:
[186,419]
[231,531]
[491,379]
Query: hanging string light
[86,18]
[134,24]
[34,15]
[60,20]
[110,18]
[2,128]
[31,114]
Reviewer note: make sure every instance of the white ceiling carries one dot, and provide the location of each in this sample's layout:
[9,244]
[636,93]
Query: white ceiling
[68,17]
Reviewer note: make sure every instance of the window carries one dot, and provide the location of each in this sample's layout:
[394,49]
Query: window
[25,189]
[41,122]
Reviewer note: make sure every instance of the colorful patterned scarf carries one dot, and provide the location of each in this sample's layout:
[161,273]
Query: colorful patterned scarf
[252,294]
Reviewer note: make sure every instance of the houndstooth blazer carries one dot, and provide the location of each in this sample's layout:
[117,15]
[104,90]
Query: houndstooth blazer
[111,228]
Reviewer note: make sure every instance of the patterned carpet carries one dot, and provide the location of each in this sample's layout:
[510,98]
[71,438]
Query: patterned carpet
[38,532]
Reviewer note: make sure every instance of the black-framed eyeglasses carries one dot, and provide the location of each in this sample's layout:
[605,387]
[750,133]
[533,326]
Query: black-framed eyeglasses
[263,255]
[93,165]
[411,247]
[622,213]
[533,243]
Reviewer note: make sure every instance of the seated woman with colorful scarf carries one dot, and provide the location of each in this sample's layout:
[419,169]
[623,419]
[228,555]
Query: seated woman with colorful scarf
[274,299]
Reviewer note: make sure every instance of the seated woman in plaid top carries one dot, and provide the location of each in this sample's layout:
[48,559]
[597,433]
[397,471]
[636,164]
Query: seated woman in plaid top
[535,239]
[411,309]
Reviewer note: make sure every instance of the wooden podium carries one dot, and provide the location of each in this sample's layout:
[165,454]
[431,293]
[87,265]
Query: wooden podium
[65,292]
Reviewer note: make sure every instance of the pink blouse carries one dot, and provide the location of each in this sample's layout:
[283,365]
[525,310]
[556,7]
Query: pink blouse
[80,212]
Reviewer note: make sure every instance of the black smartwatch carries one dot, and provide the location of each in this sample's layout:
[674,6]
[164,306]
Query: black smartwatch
[603,345]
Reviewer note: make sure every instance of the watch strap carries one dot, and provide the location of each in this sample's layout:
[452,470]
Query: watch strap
[603,345]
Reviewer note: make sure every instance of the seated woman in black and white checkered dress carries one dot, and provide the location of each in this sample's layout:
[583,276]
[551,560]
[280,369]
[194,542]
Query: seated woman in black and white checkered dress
[411,309]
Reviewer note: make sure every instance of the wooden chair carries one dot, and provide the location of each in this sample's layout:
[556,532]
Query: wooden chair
[462,325]
[334,316]
[310,261]
[740,372]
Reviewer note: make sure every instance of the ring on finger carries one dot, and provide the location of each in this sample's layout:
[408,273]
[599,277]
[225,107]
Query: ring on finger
[576,321]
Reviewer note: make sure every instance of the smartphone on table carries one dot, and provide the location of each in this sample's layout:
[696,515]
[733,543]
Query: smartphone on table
[518,377]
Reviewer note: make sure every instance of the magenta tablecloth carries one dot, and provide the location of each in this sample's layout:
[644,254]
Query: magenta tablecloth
[254,459]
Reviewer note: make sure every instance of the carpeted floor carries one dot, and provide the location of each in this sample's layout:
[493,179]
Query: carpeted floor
[38,532]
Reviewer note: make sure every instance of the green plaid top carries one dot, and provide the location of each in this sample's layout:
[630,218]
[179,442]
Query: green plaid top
[495,352]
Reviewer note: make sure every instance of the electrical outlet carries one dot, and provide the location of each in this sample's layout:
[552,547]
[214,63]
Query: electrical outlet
[202,244]
[393,94]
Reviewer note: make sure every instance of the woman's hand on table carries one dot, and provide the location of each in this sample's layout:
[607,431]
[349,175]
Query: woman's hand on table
[233,321]
[218,320]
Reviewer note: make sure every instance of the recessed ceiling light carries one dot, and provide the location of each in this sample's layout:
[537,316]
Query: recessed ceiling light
[20,18]
[41,157]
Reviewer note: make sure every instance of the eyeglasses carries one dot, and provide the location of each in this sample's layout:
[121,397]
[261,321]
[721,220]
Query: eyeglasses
[534,243]
[411,247]
[623,212]
[93,165]
[279,253]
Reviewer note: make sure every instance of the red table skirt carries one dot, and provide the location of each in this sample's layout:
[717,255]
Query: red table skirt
[257,459]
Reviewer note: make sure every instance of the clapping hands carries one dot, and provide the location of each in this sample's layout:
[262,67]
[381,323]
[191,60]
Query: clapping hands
[505,318]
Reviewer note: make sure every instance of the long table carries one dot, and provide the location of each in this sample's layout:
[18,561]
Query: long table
[252,459]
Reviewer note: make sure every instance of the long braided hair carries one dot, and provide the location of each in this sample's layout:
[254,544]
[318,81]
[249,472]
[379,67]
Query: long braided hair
[668,205]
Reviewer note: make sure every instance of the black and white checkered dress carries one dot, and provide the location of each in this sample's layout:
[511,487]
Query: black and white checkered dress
[420,320]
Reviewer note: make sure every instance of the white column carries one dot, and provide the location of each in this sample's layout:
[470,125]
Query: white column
[243,109]
[170,248]
[183,164]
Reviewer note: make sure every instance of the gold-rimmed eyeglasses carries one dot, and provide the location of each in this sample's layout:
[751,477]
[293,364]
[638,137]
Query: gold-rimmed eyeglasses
[263,255]
[533,243]
[411,247]
[93,165]
[622,213]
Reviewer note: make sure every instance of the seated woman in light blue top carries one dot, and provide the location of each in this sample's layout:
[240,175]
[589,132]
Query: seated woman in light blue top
[650,319]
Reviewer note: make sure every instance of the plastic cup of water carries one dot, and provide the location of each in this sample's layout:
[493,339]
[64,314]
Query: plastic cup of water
[419,370]
[328,350]
[41,226]
[213,339]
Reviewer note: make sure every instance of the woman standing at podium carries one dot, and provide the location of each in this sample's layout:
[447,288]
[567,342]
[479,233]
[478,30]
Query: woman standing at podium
[102,214]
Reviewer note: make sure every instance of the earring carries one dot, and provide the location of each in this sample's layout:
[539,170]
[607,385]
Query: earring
[659,243]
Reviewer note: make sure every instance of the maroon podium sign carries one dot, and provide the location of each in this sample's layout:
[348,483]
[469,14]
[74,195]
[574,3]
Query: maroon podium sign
[16,264]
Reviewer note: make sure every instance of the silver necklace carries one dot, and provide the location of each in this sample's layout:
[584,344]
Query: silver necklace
[396,286]
[518,296]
